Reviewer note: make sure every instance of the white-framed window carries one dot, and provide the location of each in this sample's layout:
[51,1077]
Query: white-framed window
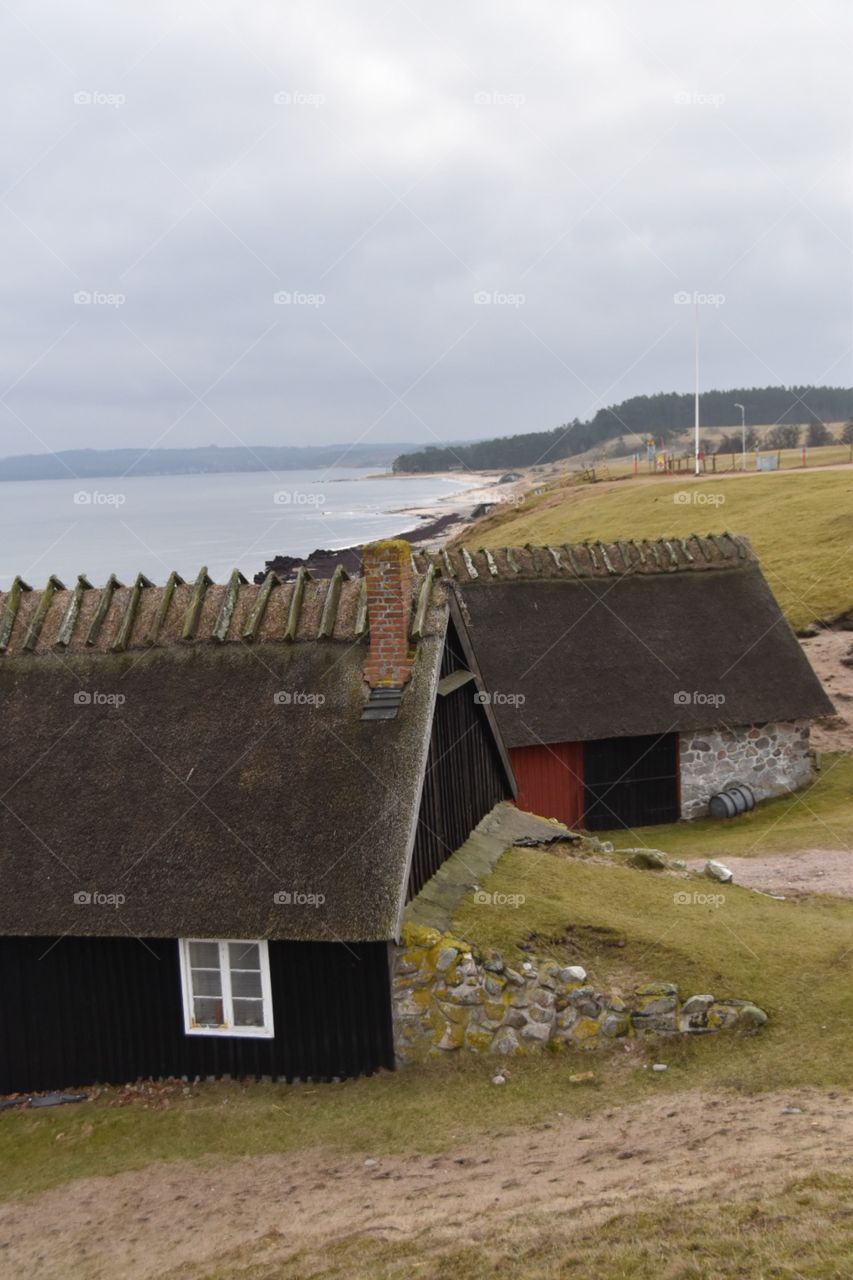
[226,987]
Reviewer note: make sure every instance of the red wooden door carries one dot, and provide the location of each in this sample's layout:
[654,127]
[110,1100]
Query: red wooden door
[550,780]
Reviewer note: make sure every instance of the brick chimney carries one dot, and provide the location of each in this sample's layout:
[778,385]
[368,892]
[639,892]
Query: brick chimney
[387,567]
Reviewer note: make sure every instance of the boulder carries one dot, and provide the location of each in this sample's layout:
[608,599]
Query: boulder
[506,1042]
[538,1032]
[658,989]
[615,1024]
[647,859]
[538,1014]
[716,871]
[751,1018]
[585,1029]
[445,958]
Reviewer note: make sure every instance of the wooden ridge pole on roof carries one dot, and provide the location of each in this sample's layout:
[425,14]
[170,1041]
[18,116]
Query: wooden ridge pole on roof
[66,630]
[10,613]
[37,622]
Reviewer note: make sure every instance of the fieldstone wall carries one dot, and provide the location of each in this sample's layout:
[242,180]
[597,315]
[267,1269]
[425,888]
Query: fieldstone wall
[773,759]
[446,996]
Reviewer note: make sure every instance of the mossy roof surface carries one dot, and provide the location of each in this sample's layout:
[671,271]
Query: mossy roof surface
[572,653]
[174,778]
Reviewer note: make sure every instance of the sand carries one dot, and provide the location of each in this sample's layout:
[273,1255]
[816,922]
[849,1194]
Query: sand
[166,1217]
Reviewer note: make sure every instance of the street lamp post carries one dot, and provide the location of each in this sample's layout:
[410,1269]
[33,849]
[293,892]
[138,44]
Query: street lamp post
[742,436]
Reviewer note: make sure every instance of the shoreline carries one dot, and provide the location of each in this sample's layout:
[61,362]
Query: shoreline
[439,520]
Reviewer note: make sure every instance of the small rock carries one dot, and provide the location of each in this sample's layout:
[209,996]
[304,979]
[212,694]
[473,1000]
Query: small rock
[499,1079]
[606,846]
[572,973]
[659,1066]
[716,871]
[792,1111]
[582,1077]
[445,959]
[370,1163]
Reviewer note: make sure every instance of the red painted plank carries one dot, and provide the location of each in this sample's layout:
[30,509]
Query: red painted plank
[550,780]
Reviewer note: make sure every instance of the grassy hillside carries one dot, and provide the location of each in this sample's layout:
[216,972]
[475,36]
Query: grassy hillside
[801,525]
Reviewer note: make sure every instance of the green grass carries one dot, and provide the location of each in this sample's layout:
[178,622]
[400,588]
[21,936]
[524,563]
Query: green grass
[801,526]
[818,817]
[802,1233]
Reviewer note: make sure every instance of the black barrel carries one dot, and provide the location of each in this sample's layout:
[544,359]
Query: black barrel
[734,800]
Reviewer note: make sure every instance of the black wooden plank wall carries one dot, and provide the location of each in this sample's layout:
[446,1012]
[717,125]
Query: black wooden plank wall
[630,782]
[109,1010]
[464,779]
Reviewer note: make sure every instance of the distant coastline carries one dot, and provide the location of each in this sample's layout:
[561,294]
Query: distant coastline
[90,464]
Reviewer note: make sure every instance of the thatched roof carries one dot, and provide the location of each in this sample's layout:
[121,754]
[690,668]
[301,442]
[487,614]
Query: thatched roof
[117,618]
[143,754]
[599,640]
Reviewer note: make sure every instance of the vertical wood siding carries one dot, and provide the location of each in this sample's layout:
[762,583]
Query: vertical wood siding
[631,782]
[109,1010]
[550,780]
[465,777]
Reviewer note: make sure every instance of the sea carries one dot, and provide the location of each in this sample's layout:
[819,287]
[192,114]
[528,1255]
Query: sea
[154,524]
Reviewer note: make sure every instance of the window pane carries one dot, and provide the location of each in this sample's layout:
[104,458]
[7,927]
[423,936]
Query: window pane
[204,955]
[244,955]
[207,982]
[248,1013]
[246,984]
[207,1012]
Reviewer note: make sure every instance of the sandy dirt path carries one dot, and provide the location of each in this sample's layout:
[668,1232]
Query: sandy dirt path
[792,875]
[141,1225]
[825,651]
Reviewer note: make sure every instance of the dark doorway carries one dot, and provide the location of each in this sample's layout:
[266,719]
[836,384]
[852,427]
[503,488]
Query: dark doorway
[630,782]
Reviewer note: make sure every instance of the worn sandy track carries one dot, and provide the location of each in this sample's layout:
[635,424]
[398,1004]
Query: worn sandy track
[792,875]
[139,1225]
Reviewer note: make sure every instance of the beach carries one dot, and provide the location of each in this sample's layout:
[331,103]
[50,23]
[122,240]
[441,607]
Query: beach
[426,526]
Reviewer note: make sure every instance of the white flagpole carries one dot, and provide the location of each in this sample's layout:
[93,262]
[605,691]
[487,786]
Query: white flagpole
[696,380]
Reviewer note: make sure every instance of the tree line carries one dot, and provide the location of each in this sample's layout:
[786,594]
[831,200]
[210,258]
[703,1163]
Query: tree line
[660,416]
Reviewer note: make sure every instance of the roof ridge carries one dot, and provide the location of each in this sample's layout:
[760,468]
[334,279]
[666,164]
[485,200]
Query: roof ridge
[119,617]
[591,558]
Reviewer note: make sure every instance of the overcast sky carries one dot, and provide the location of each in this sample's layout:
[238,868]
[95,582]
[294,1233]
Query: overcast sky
[381,164]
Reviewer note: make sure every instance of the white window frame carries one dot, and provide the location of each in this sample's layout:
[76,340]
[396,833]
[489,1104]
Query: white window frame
[267,1031]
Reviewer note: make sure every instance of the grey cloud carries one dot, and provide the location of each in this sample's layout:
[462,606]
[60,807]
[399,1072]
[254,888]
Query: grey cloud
[591,160]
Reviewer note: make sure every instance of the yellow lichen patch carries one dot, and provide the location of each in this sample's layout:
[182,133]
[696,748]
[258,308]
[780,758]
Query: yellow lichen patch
[479,1039]
[419,935]
[585,1029]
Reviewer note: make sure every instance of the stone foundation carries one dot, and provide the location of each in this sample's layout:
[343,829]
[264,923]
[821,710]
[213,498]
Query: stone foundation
[446,997]
[773,759]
